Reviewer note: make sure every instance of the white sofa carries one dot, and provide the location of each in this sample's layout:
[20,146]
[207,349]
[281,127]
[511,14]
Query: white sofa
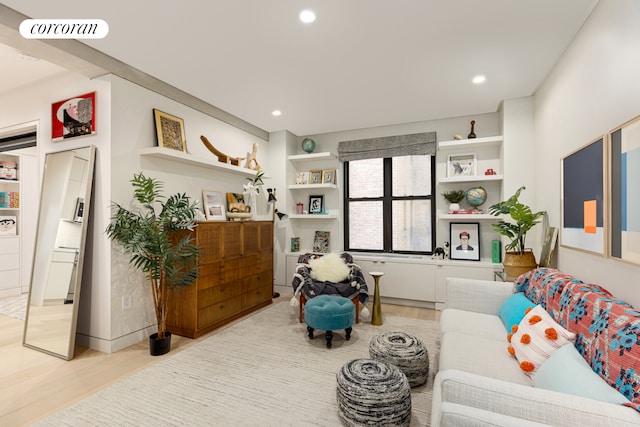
[479,383]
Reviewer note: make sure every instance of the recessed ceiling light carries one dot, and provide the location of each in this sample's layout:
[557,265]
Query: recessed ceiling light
[307,16]
[276,113]
[480,78]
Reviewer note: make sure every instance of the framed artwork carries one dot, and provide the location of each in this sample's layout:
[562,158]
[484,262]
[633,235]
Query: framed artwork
[461,165]
[321,242]
[624,183]
[8,225]
[235,203]
[548,247]
[315,177]
[316,204]
[213,205]
[295,244]
[465,241]
[170,131]
[583,198]
[73,117]
[302,178]
[329,176]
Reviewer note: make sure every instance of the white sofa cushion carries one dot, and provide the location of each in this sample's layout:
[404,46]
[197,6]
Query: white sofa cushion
[481,356]
[472,323]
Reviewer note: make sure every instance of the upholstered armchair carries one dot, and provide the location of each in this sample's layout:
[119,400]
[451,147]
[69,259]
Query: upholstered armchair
[329,274]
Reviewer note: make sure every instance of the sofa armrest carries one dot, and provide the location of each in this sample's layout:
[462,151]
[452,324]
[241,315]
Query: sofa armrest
[529,403]
[455,415]
[481,296]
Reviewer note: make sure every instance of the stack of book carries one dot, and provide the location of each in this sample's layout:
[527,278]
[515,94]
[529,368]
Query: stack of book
[9,199]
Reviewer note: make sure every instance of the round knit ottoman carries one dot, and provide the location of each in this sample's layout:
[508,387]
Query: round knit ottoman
[329,313]
[372,392]
[404,351]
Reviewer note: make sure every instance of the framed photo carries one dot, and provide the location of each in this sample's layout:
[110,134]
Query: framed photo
[465,241]
[583,198]
[624,164]
[295,244]
[548,247]
[316,204]
[170,131]
[461,165]
[8,226]
[235,203]
[302,178]
[315,177]
[321,242]
[329,176]
[213,205]
[73,117]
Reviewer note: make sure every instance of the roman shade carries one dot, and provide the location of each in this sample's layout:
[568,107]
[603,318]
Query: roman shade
[388,146]
[14,142]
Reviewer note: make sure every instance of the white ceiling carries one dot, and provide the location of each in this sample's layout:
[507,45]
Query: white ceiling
[363,63]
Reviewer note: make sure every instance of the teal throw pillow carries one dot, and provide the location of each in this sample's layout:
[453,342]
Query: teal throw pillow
[566,371]
[513,310]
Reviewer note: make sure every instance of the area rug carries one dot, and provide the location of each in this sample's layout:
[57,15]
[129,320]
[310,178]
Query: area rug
[262,371]
[15,306]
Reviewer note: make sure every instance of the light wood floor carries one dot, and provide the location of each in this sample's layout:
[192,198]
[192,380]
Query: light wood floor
[34,385]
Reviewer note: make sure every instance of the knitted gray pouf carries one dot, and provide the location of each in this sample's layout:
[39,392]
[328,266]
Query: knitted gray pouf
[373,393]
[404,351]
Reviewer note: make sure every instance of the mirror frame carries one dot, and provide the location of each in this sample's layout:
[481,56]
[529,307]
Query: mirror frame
[77,277]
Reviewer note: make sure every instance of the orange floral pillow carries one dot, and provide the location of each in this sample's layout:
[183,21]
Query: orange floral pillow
[536,338]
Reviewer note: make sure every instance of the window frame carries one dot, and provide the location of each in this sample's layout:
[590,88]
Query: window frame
[387,202]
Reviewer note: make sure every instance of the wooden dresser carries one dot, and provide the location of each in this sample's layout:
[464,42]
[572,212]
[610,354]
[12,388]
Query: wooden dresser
[236,277]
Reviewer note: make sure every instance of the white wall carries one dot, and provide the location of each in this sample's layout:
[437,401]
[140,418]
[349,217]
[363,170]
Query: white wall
[594,88]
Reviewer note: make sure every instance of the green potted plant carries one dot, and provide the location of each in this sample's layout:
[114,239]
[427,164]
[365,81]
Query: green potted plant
[454,197]
[154,234]
[518,259]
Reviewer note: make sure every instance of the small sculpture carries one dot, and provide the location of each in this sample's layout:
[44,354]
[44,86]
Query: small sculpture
[472,134]
[223,158]
[252,161]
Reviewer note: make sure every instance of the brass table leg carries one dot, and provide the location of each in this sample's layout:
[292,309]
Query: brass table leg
[376,317]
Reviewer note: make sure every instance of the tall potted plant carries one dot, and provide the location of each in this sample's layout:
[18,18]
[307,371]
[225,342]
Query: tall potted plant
[518,259]
[153,234]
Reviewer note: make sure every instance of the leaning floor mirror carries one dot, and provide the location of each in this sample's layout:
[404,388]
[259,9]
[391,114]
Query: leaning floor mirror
[52,309]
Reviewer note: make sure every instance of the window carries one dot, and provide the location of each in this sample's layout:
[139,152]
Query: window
[389,204]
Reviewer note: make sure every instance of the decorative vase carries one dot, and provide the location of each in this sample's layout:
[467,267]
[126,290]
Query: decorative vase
[250,202]
[454,207]
[516,263]
[472,134]
[159,346]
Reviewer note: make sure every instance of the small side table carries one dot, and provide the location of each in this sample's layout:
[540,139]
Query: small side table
[376,317]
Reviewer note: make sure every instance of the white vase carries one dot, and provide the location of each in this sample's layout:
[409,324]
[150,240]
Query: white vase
[454,207]
[250,201]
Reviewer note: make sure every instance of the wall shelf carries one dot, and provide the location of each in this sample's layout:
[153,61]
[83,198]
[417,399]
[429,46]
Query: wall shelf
[312,157]
[470,143]
[188,159]
[475,178]
[313,216]
[311,186]
[468,217]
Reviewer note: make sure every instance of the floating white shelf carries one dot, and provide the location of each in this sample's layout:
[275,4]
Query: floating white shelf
[468,217]
[475,178]
[312,157]
[179,156]
[470,143]
[311,186]
[313,216]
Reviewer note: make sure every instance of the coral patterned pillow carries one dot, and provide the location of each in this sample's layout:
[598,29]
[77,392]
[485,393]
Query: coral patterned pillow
[536,338]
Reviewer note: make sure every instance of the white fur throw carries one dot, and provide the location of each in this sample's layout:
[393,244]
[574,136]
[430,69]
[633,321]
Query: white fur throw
[329,268]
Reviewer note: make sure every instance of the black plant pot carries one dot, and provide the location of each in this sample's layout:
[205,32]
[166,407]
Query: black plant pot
[159,346]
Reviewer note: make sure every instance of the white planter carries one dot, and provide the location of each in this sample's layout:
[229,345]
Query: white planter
[454,207]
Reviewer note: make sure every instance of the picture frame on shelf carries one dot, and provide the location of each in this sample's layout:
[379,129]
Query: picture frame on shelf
[295,244]
[302,178]
[170,131]
[460,165]
[8,225]
[329,176]
[213,205]
[548,247]
[465,241]
[74,117]
[582,198]
[321,242]
[315,177]
[316,204]
[235,203]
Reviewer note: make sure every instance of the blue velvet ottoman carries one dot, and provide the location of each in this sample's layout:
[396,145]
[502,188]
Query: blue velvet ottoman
[329,313]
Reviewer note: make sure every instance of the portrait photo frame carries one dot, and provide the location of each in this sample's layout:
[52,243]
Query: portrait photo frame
[74,117]
[315,177]
[302,178]
[465,241]
[170,131]
[213,205]
[329,176]
[624,164]
[316,204]
[582,198]
[461,165]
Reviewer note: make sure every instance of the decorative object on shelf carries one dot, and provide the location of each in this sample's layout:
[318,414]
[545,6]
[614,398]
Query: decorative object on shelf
[461,165]
[295,244]
[153,237]
[213,205]
[170,131]
[237,209]
[73,117]
[517,259]
[252,189]
[321,242]
[490,171]
[316,204]
[302,178]
[476,197]
[308,145]
[438,253]
[548,247]
[472,134]
[8,225]
[454,197]
[8,170]
[10,199]
[252,161]
[329,176]
[466,238]
[222,158]
[457,137]
[299,208]
[582,198]
[315,177]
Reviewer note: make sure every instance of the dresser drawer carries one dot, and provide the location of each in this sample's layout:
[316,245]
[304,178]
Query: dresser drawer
[218,312]
[9,245]
[256,296]
[219,293]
